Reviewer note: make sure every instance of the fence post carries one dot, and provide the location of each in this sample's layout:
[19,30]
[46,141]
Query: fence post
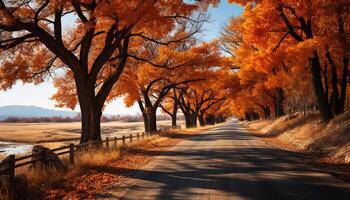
[71,154]
[11,164]
[123,140]
[107,144]
[115,142]
[43,156]
[138,136]
[130,138]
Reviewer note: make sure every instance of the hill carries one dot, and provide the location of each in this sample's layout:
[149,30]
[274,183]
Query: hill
[32,111]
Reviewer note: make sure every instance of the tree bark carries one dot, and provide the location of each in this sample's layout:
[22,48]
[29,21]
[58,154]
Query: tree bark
[267,112]
[174,120]
[152,120]
[344,84]
[324,107]
[144,116]
[211,119]
[279,111]
[325,78]
[201,120]
[91,118]
[174,114]
[345,68]
[315,65]
[194,120]
[335,100]
[188,120]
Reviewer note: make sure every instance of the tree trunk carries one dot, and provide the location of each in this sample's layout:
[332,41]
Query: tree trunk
[279,102]
[194,120]
[267,112]
[345,74]
[325,78]
[144,116]
[255,115]
[188,120]
[201,120]
[145,122]
[174,114]
[191,120]
[211,119]
[91,128]
[344,84]
[220,119]
[90,113]
[324,107]
[152,120]
[173,120]
[335,101]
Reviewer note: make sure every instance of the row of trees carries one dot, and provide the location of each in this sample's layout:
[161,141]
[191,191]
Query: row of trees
[77,118]
[143,50]
[292,56]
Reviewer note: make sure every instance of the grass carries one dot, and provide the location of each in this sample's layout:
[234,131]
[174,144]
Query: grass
[32,182]
[58,133]
[53,135]
[37,180]
[309,134]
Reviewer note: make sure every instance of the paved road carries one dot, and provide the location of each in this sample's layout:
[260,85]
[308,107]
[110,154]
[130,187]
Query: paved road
[228,163]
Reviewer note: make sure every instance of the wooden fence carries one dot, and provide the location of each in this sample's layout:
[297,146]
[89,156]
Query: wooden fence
[8,166]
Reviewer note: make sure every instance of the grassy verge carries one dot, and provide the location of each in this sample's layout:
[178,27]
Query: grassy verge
[329,144]
[94,170]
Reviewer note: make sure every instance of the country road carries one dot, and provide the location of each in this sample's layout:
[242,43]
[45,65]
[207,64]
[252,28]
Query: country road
[228,163]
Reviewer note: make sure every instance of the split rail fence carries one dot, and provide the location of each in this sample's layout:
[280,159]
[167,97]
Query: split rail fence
[8,165]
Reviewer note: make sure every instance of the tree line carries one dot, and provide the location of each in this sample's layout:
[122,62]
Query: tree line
[145,51]
[293,56]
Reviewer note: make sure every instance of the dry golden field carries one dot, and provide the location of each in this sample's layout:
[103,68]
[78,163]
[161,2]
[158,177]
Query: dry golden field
[57,134]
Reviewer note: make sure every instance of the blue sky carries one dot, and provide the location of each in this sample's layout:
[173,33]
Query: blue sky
[39,95]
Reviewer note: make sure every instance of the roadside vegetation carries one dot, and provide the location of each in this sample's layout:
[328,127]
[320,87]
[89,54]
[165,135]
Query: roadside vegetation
[293,74]
[94,170]
[144,52]
[60,119]
[329,144]
[282,58]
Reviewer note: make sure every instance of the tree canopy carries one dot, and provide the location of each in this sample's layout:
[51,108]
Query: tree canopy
[278,57]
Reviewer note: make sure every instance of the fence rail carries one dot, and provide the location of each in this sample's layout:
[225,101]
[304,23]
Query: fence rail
[9,164]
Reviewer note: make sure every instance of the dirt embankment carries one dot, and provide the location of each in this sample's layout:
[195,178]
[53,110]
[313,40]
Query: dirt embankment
[329,143]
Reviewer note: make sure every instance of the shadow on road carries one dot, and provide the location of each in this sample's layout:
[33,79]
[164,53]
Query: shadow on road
[240,167]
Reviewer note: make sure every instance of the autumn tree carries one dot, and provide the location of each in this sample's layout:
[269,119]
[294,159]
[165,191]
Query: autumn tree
[196,99]
[93,53]
[150,83]
[293,34]
[170,105]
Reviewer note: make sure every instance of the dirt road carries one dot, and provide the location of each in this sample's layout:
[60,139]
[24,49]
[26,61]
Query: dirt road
[228,163]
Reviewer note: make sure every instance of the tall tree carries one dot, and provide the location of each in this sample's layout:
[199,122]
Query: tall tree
[93,52]
[294,34]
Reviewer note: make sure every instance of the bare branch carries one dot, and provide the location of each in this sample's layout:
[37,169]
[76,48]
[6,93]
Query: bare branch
[13,42]
[37,13]
[280,42]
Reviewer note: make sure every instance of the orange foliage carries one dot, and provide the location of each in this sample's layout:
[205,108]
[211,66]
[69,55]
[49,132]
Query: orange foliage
[271,55]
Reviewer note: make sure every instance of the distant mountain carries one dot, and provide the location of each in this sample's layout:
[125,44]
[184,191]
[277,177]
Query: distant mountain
[32,111]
